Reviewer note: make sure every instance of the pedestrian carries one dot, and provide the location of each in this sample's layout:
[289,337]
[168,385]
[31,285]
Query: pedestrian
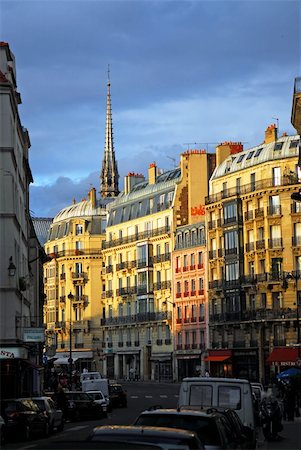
[207,374]
[62,402]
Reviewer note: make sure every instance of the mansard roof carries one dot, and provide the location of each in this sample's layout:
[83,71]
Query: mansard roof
[284,147]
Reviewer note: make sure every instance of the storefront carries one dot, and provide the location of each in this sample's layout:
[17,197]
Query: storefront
[18,374]
[283,357]
[220,362]
[188,365]
[80,360]
[161,364]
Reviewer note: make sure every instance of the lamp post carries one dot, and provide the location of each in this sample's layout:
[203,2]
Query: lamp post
[70,297]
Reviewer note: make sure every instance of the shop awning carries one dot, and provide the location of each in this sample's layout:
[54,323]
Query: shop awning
[61,361]
[283,356]
[217,358]
[75,356]
[188,357]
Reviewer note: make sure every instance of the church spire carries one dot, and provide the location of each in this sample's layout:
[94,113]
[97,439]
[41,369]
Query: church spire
[109,171]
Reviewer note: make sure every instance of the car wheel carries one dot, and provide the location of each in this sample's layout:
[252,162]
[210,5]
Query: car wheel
[26,433]
[47,430]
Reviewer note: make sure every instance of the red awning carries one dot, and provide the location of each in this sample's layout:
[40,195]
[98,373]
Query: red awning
[283,356]
[217,358]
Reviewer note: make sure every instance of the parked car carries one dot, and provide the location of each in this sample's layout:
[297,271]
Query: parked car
[212,428]
[2,431]
[118,396]
[23,418]
[132,437]
[99,398]
[82,406]
[53,414]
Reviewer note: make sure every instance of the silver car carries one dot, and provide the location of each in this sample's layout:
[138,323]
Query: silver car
[54,415]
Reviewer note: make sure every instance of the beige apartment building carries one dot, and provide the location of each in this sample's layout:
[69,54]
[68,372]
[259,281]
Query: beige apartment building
[138,304]
[254,258]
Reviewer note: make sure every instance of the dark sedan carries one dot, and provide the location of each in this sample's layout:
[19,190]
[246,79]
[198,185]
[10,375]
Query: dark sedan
[23,418]
[81,406]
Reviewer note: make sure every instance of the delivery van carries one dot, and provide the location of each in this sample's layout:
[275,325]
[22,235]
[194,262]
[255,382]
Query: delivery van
[221,393]
[93,381]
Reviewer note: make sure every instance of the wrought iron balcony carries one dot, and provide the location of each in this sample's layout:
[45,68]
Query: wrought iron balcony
[137,237]
[249,215]
[161,258]
[131,290]
[274,210]
[137,318]
[275,243]
[248,188]
[79,275]
[296,241]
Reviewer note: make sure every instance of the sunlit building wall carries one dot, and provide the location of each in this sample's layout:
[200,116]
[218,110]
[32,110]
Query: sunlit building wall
[138,303]
[254,258]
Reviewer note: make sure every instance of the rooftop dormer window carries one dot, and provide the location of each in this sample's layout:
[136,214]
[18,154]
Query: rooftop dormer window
[250,154]
[278,145]
[258,151]
[240,158]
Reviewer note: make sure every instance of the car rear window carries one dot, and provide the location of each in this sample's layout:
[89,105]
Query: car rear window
[229,397]
[40,404]
[205,427]
[200,395]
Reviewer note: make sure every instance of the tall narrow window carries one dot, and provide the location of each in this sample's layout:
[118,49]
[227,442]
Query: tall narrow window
[276,176]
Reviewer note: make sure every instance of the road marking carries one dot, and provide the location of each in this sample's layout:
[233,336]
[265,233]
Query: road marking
[163,396]
[148,396]
[134,396]
[176,395]
[28,446]
[79,427]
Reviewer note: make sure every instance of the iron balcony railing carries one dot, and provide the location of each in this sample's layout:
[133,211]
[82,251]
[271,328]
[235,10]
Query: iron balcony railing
[126,291]
[265,277]
[136,237]
[254,314]
[251,187]
[137,318]
[126,265]
[75,252]
[161,258]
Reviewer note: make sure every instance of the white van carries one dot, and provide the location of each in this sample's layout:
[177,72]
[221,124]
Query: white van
[221,393]
[93,381]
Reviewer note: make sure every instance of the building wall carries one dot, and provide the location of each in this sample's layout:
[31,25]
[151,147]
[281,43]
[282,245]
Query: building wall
[21,293]
[252,254]
[75,268]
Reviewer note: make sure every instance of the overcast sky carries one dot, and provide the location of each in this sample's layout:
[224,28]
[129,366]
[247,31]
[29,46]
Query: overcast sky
[181,72]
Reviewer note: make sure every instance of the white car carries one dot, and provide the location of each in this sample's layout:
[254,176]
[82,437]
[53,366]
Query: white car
[100,399]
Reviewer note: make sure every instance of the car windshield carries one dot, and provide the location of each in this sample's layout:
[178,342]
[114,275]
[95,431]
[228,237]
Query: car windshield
[205,427]
[40,404]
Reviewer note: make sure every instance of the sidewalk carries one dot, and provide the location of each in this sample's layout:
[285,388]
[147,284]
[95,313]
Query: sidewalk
[291,434]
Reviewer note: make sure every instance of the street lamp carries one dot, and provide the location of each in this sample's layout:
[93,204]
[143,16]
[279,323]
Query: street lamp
[11,268]
[294,275]
[70,297]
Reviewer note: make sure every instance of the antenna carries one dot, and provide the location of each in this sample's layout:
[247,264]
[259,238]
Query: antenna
[108,73]
[173,159]
[275,118]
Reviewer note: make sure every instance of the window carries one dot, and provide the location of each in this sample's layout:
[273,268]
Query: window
[158,249]
[276,174]
[250,154]
[178,287]
[278,145]
[200,259]
[230,212]
[238,180]
[179,312]
[192,259]
[193,286]
[120,309]
[241,157]
[178,263]
[186,286]
[166,248]
[78,229]
[201,284]
[258,151]
[185,261]
[229,395]
[294,144]
[253,182]
[232,271]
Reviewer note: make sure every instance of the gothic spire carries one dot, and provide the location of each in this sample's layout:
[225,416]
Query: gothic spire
[109,171]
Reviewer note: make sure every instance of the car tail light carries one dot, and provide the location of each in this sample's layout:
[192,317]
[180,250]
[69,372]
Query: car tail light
[13,415]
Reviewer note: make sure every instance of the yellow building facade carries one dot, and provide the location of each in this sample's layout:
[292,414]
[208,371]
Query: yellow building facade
[254,258]
[73,285]
[138,303]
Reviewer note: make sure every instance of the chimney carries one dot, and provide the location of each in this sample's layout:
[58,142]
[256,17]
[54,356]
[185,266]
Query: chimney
[270,134]
[130,180]
[152,173]
[92,197]
[225,149]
